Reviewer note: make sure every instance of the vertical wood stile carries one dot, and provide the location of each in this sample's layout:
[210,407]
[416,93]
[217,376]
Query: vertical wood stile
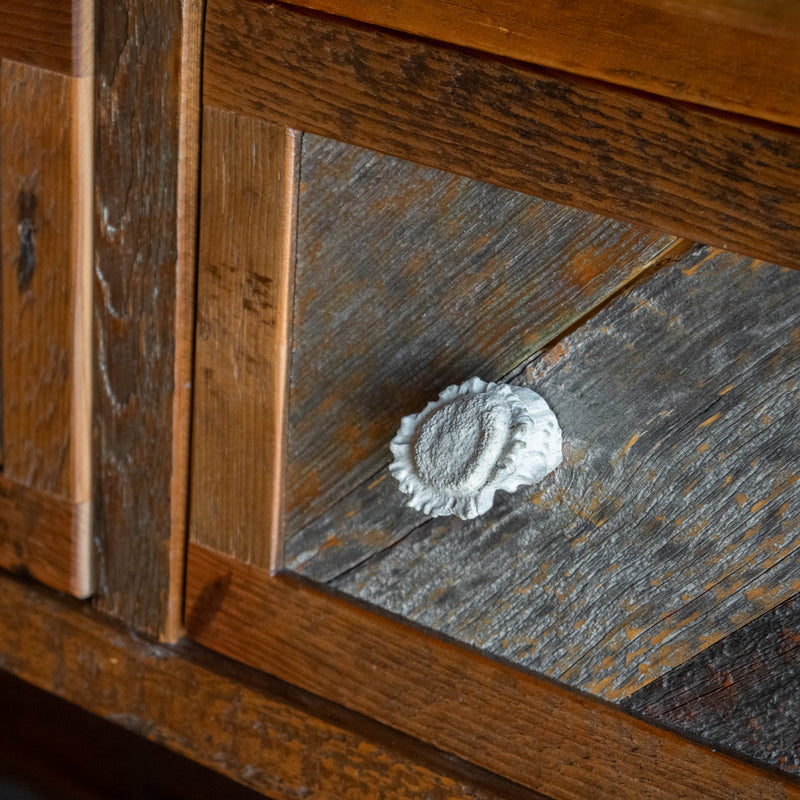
[248,173]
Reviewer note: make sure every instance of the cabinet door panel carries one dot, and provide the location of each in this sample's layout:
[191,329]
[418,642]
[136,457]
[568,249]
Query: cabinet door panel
[45,166]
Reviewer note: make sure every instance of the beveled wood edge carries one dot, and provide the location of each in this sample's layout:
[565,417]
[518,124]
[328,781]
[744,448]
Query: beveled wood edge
[46,536]
[698,199]
[167,694]
[58,36]
[546,34]
[283,343]
[523,727]
[82,254]
[188,191]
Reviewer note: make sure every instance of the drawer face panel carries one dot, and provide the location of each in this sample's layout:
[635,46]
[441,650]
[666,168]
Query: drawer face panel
[673,519]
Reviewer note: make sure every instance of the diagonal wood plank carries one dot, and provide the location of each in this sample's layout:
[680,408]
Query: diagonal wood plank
[743,693]
[406,278]
[674,519]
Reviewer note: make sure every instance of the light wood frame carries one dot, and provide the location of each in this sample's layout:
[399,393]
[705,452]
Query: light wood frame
[46,136]
[270,71]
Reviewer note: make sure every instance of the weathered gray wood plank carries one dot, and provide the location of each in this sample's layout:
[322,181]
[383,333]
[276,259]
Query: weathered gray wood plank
[743,693]
[408,278]
[672,522]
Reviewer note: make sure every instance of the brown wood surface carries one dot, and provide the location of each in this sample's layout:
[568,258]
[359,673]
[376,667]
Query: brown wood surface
[743,693]
[42,535]
[540,734]
[738,55]
[262,733]
[674,519]
[706,175]
[37,222]
[45,179]
[246,236]
[146,79]
[55,35]
[408,279]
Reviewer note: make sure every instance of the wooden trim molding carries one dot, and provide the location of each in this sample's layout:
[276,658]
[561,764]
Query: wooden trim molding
[525,728]
[705,175]
[749,49]
[259,731]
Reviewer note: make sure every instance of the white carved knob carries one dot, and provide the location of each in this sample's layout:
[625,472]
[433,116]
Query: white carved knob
[476,438]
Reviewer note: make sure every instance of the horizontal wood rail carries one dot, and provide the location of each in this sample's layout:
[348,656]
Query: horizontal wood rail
[736,55]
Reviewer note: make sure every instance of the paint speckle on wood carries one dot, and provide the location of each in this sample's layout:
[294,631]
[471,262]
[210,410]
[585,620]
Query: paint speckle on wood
[672,522]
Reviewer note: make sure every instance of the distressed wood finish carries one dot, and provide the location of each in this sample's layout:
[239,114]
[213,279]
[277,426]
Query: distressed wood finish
[749,49]
[408,279]
[263,733]
[44,536]
[674,520]
[563,744]
[146,99]
[743,693]
[705,175]
[45,179]
[55,35]
[246,238]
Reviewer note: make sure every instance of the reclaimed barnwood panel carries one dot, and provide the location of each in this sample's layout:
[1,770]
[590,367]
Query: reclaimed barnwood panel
[407,279]
[55,35]
[705,175]
[247,232]
[564,744]
[147,92]
[263,733]
[674,519]
[749,49]
[743,693]
[44,536]
[45,181]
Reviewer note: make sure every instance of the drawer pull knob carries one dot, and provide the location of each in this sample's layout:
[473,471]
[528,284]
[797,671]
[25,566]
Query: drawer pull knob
[476,438]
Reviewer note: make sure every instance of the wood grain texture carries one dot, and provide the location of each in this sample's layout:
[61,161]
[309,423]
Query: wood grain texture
[262,733]
[42,535]
[672,522]
[743,693]
[37,222]
[737,55]
[697,173]
[407,279]
[46,179]
[246,236]
[56,35]
[142,311]
[539,734]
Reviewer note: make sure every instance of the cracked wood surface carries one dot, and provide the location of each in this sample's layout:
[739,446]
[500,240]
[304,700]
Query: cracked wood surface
[672,522]
[408,279]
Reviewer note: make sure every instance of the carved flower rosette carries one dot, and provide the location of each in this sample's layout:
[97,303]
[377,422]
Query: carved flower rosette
[478,437]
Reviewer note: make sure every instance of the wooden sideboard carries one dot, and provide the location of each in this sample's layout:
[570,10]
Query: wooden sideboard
[215,294]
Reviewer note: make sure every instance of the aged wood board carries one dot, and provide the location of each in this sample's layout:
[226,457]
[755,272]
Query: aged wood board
[749,47]
[407,279]
[703,174]
[145,144]
[743,693]
[673,520]
[263,733]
